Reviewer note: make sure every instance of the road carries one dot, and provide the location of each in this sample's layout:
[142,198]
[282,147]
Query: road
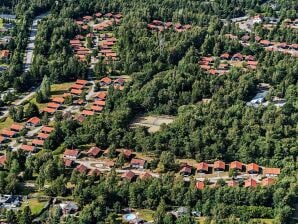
[27,63]
[31,43]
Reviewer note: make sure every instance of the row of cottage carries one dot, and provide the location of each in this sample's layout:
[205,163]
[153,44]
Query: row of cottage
[157,25]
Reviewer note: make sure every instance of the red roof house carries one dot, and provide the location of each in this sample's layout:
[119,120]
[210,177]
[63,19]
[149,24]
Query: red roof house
[219,166]
[71,154]
[252,168]
[8,133]
[200,185]
[129,175]
[59,100]
[236,165]
[267,181]
[145,176]
[271,172]
[137,163]
[33,121]
[105,81]
[81,169]
[250,183]
[101,95]
[28,148]
[87,113]
[16,127]
[202,167]
[37,142]
[46,129]
[94,151]
[42,136]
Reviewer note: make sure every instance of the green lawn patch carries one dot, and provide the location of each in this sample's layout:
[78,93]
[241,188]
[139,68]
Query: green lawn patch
[35,205]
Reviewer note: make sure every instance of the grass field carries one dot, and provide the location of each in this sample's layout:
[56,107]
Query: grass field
[1,23]
[59,89]
[145,214]
[34,205]
[6,123]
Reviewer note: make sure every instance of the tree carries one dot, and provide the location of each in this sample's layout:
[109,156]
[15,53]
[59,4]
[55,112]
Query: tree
[32,110]
[26,217]
[45,119]
[160,212]
[45,89]
[167,161]
[11,217]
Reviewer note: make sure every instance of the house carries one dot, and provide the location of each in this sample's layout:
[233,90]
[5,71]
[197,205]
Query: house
[81,82]
[237,57]
[4,54]
[49,110]
[245,38]
[68,207]
[29,148]
[109,163]
[2,139]
[281,45]
[257,19]
[259,98]
[126,152]
[8,133]
[200,185]
[119,81]
[202,167]
[16,127]
[137,163]
[105,81]
[96,109]
[68,163]
[94,172]
[236,165]
[42,136]
[76,92]
[145,176]
[98,15]
[37,142]
[94,151]
[59,100]
[33,122]
[225,56]
[271,172]
[128,175]
[232,183]
[265,43]
[252,64]
[71,154]
[81,169]
[76,86]
[87,18]
[99,103]
[47,130]
[219,166]
[250,183]
[53,105]
[86,113]
[252,168]
[250,58]
[2,160]
[267,181]
[186,171]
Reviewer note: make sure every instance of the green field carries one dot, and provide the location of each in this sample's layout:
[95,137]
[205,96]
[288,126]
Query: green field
[35,205]
[1,23]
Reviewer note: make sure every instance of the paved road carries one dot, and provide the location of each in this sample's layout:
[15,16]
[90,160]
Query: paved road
[31,43]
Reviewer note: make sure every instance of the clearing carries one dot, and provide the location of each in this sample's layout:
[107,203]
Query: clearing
[152,122]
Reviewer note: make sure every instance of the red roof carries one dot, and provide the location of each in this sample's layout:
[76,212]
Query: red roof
[49,110]
[96,108]
[2,160]
[94,172]
[250,183]
[16,127]
[42,136]
[265,42]
[47,129]
[205,67]
[232,183]
[53,105]
[106,80]
[28,148]
[101,95]
[75,42]
[71,153]
[129,175]
[209,59]
[98,14]
[68,162]
[76,86]
[252,167]
[200,185]
[58,100]
[4,54]
[238,55]
[271,171]
[145,176]
[99,103]
[186,169]
[38,142]
[203,166]
[219,165]
[225,56]
[267,181]
[34,120]
[139,162]
[94,151]
[81,82]
[8,133]
[76,91]
[87,112]
[81,168]
[236,165]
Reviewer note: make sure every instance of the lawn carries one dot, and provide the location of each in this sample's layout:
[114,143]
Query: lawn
[59,89]
[6,123]
[145,214]
[35,205]
[1,23]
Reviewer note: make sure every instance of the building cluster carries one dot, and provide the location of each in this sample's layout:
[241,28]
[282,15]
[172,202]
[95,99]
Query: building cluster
[160,26]
[242,169]
[100,22]
[107,41]
[226,61]
[70,157]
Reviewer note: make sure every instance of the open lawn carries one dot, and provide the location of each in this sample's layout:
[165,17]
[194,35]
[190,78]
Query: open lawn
[1,23]
[145,214]
[59,89]
[34,205]
[6,123]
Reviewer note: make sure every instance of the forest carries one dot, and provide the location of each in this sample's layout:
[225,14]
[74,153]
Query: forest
[165,80]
